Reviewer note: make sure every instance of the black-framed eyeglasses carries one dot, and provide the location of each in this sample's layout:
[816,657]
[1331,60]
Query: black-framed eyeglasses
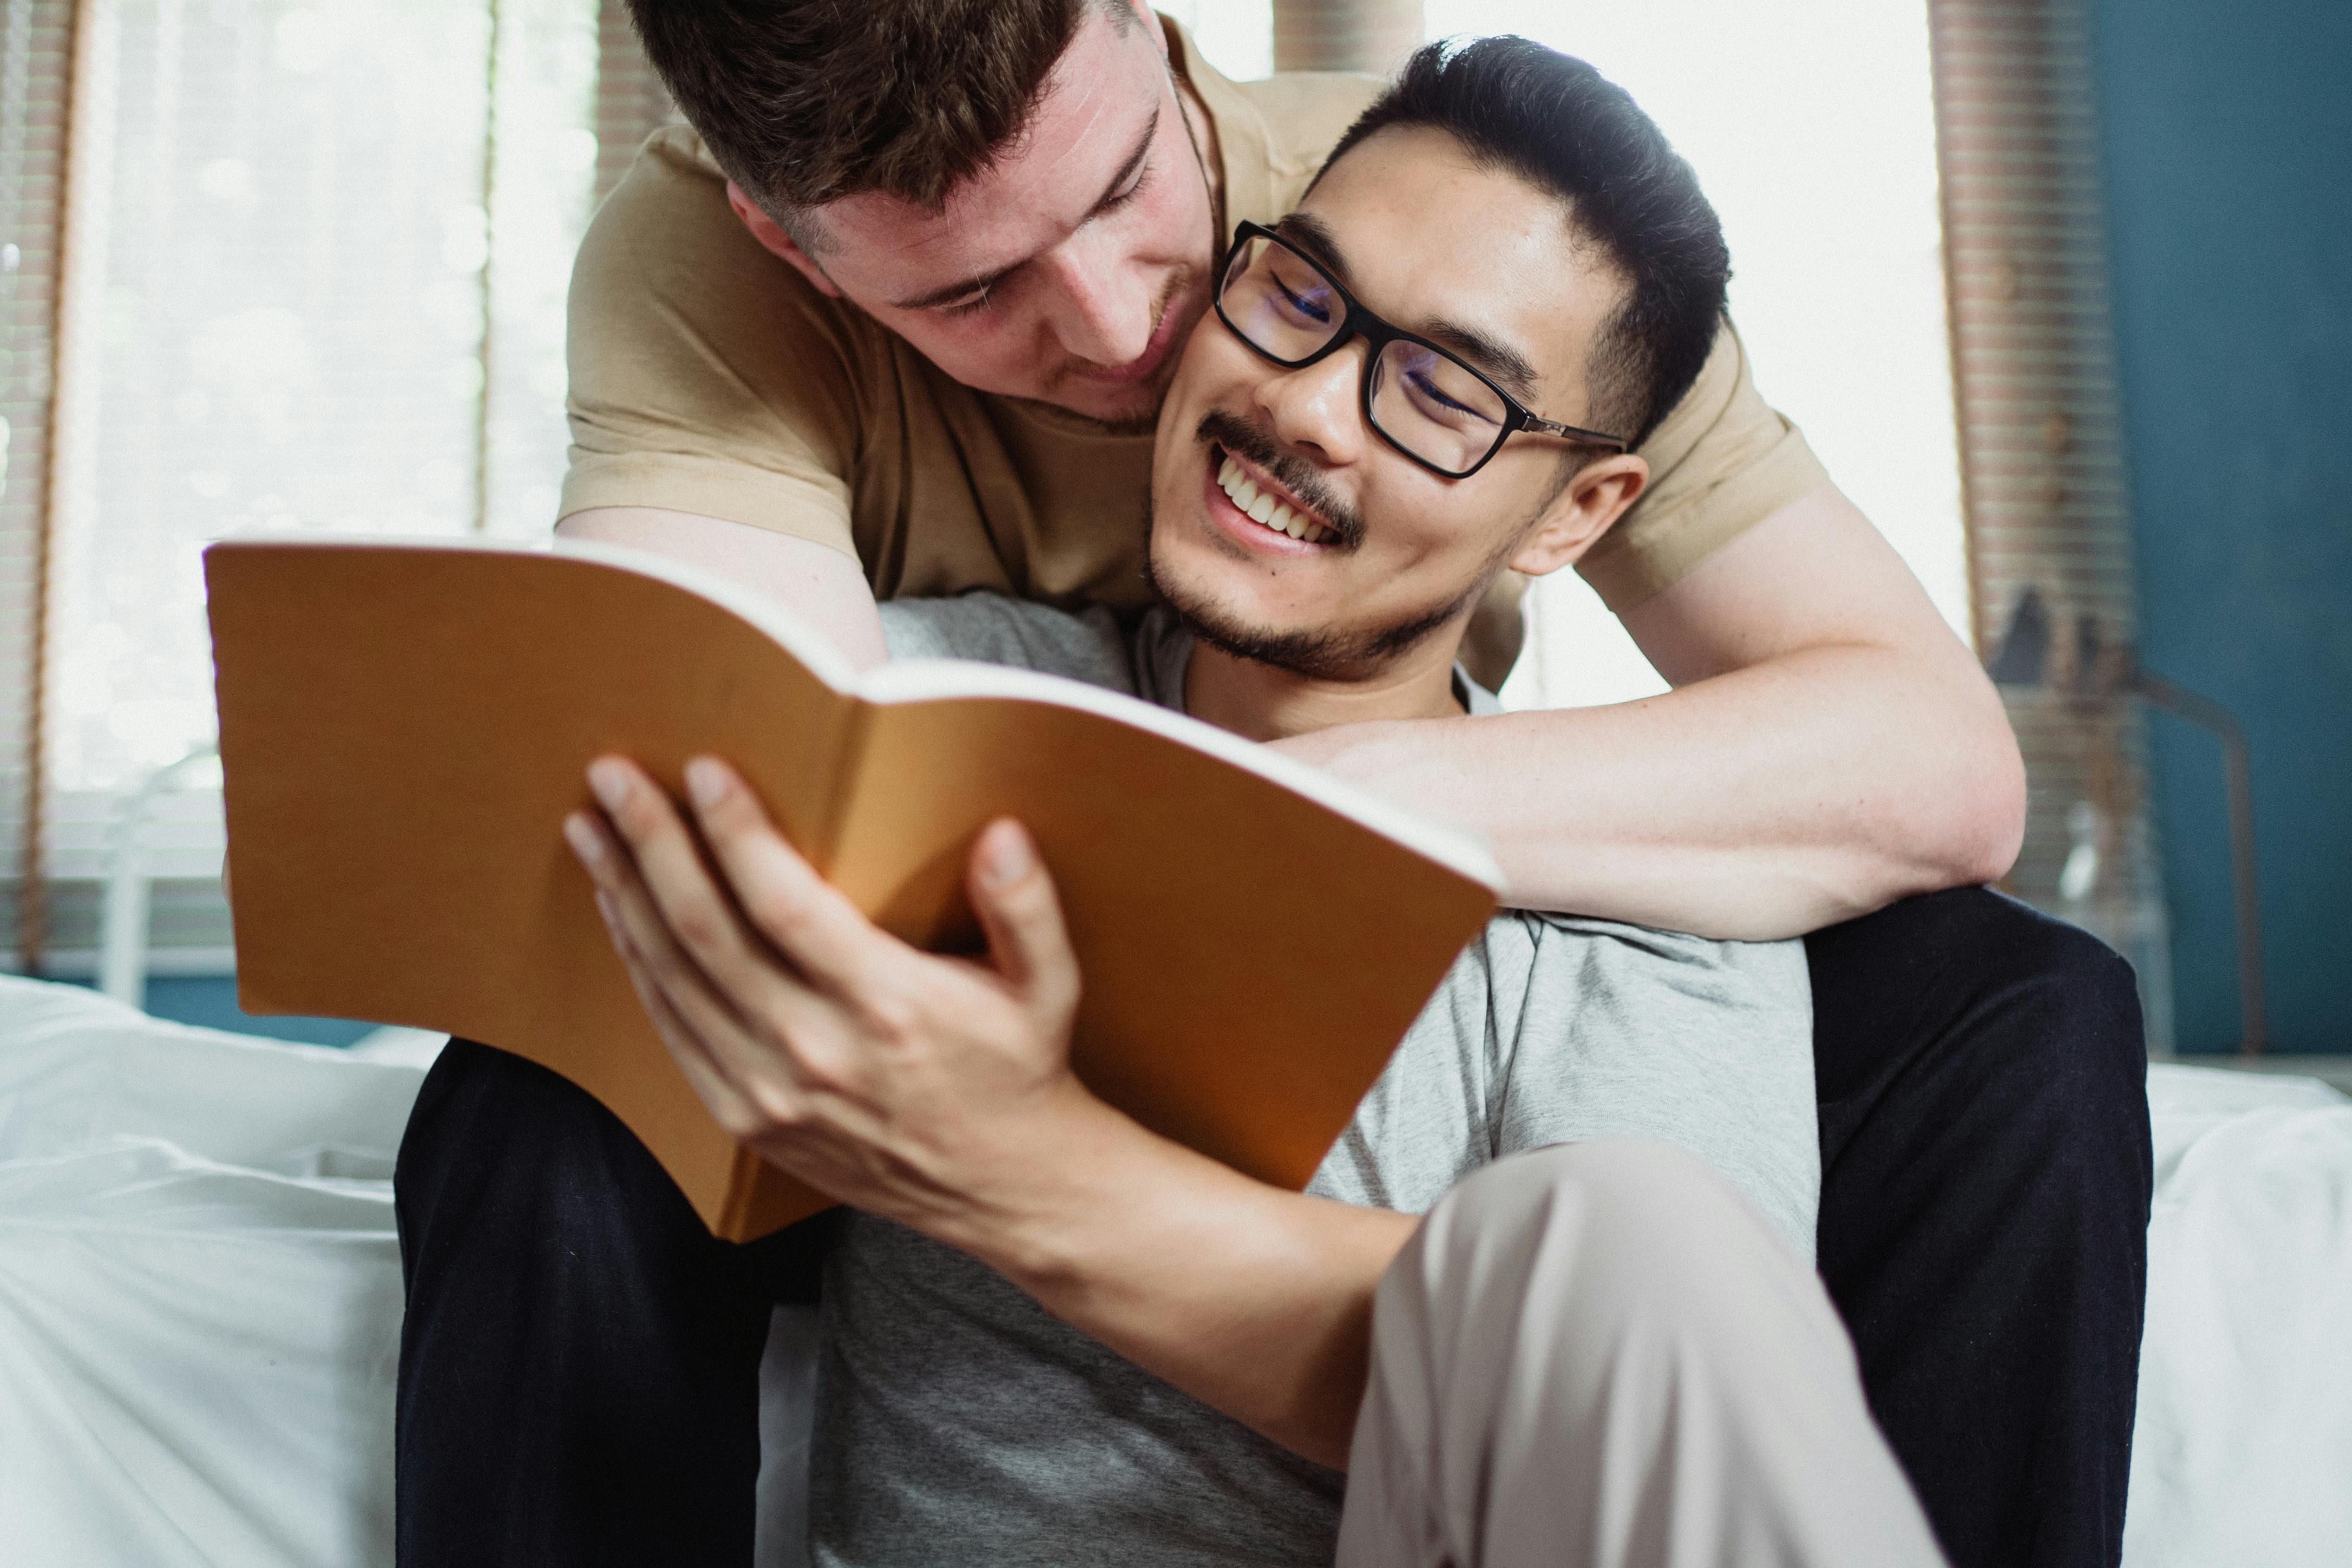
[1420,398]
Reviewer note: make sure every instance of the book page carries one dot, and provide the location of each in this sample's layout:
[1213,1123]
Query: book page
[1251,956]
[403,731]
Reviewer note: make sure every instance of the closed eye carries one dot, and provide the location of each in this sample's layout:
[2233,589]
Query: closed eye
[1313,305]
[1112,203]
[1428,388]
[983,298]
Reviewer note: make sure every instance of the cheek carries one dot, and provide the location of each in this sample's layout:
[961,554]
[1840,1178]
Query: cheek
[979,352]
[1168,223]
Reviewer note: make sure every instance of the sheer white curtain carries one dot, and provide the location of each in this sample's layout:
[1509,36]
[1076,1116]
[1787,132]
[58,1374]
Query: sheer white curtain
[317,256]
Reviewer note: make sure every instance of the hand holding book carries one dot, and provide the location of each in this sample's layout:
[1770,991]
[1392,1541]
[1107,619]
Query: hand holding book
[403,726]
[908,1084]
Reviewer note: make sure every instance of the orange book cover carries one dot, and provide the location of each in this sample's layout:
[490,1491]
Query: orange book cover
[404,724]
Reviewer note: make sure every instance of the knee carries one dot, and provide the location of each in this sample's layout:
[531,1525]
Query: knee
[1587,1249]
[1622,1217]
[2059,1024]
[1604,1183]
[2046,1061]
[499,1146]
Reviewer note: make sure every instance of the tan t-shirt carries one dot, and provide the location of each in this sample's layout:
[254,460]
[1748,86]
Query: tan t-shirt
[707,376]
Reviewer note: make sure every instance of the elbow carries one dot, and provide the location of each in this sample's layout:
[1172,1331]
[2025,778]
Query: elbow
[1981,809]
[1998,818]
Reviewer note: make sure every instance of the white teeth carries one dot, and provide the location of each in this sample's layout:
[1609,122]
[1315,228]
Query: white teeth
[1261,506]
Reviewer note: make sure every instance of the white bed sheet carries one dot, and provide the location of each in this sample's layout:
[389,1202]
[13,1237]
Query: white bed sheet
[200,1298]
[2243,1454]
[199,1291]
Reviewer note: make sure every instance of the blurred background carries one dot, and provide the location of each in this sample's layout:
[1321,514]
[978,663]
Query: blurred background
[2060,289]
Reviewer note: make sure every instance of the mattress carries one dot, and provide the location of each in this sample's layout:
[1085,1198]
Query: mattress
[200,1306]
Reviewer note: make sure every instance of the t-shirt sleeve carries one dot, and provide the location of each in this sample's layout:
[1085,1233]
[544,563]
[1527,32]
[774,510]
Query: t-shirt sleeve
[1629,1032]
[992,629]
[1722,462]
[707,375]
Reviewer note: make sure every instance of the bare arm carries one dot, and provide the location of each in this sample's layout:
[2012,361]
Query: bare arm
[1830,746]
[821,586]
[938,1091]
[1254,1301]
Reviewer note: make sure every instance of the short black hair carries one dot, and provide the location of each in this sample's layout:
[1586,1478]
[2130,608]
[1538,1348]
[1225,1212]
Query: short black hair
[1560,125]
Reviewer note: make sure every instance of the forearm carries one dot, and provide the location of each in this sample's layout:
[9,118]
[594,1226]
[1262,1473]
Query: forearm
[1254,1301]
[820,585]
[1760,803]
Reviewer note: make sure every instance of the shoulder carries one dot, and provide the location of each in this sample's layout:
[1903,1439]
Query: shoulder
[1305,114]
[992,629]
[1722,461]
[679,313]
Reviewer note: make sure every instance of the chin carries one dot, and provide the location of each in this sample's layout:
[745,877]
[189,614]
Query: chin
[1218,601]
[1222,600]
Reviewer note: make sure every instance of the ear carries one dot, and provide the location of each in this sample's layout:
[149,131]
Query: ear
[776,241]
[1582,512]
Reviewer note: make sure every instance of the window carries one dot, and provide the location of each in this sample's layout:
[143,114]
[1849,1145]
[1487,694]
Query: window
[316,262]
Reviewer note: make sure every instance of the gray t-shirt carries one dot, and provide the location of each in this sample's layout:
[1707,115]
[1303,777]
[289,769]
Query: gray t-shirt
[957,1422]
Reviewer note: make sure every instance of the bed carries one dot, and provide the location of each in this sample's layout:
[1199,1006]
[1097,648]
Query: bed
[200,1306]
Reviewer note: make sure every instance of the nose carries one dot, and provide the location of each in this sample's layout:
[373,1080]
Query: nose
[1104,311]
[1314,409]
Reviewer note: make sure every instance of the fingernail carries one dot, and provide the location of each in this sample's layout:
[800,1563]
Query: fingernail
[610,781]
[706,782]
[583,839]
[1005,856]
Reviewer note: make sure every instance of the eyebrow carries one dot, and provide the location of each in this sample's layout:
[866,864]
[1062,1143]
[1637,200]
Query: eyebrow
[1505,365]
[986,280]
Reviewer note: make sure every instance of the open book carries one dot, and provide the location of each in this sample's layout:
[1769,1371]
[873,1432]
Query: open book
[404,725]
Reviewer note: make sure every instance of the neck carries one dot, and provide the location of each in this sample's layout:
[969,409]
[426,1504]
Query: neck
[1259,702]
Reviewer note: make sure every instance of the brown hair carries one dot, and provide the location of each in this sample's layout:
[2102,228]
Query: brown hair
[804,101]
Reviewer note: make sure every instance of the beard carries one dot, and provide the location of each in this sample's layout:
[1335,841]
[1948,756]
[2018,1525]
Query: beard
[1322,654]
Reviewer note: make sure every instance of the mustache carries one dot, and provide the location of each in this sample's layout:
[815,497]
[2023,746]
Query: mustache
[1296,475]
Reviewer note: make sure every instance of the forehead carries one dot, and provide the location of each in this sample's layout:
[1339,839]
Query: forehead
[1100,98]
[1430,235]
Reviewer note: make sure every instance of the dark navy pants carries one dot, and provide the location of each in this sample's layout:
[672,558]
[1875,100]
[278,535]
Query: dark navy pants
[579,1364]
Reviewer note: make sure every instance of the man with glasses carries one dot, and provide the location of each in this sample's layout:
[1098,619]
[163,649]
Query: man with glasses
[1050,1336]
[901,310]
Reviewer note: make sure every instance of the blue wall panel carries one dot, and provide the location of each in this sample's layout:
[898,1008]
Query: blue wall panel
[2227,132]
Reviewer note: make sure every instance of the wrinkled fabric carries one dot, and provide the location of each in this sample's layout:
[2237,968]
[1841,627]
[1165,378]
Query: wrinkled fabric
[200,1288]
[199,1291]
[2243,1451]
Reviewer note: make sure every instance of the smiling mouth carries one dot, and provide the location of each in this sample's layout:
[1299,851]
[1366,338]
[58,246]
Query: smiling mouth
[1262,509]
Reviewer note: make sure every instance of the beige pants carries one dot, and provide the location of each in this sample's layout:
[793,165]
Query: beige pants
[1599,1354]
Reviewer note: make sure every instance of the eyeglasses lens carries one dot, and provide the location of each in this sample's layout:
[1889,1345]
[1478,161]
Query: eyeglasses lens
[1434,408]
[1279,301]
[1427,403]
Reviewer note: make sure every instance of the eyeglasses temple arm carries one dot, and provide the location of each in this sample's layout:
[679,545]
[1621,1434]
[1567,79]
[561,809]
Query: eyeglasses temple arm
[1574,433]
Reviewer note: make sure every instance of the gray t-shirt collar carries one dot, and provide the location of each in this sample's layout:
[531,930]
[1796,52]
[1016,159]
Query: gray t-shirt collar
[1164,652]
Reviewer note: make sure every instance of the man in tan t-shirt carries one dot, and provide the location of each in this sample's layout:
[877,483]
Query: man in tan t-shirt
[905,307]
